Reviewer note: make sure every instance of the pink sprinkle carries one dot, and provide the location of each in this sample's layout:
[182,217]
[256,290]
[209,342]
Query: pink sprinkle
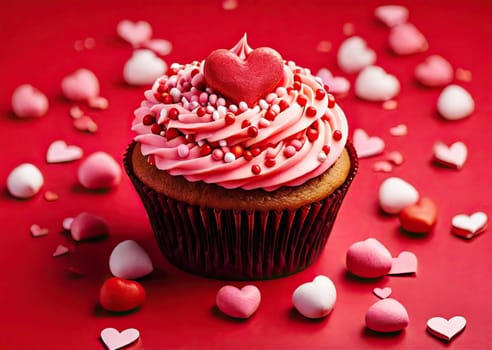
[78,45]
[297,144]
[85,123]
[382,166]
[212,99]
[324,46]
[463,75]
[271,153]
[183,151]
[289,151]
[50,196]
[197,80]
[348,29]
[221,102]
[76,112]
[390,105]
[395,157]
[89,43]
[203,98]
[223,143]
[217,154]
[98,103]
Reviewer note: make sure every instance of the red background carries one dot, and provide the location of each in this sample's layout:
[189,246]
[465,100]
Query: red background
[44,306]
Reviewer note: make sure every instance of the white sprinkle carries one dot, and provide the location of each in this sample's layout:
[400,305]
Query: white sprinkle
[162,133]
[222,143]
[322,156]
[200,142]
[319,80]
[171,82]
[233,108]
[194,98]
[263,104]
[175,65]
[243,106]
[229,157]
[183,151]
[291,64]
[221,101]
[209,90]
[271,97]
[275,108]
[281,91]
[263,123]
[307,71]
[222,110]
[256,109]
[162,116]
[210,109]
[215,115]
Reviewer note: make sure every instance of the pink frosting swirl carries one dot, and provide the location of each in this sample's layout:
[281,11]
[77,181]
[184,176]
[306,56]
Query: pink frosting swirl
[287,138]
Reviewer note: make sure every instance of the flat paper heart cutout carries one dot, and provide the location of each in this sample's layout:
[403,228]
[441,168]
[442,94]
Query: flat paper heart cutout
[61,250]
[116,340]
[374,84]
[37,231]
[81,85]
[419,217]
[353,55]
[446,329]
[29,102]
[60,152]
[135,33]
[382,293]
[118,294]
[130,261]
[395,194]
[143,68]
[434,71]
[386,316]
[405,263]
[368,259]
[246,79]
[315,299]
[453,156]
[406,39]
[455,103]
[238,303]
[469,226]
[365,145]
[391,15]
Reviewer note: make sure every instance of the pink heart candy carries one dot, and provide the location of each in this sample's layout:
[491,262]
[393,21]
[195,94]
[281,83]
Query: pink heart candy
[434,71]
[391,15]
[88,226]
[81,85]
[135,33]
[37,231]
[387,315]
[315,299]
[59,152]
[468,226]
[453,156]
[239,303]
[405,263]
[99,171]
[117,340]
[29,102]
[130,261]
[406,39]
[160,46]
[446,329]
[337,85]
[368,259]
[85,123]
[61,250]
[382,293]
[366,145]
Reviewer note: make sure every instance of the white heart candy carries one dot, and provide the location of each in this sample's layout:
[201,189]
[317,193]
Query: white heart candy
[143,68]
[391,15]
[454,155]
[396,194]
[116,340]
[455,103]
[315,299]
[129,260]
[25,181]
[374,84]
[353,55]
[469,226]
[59,152]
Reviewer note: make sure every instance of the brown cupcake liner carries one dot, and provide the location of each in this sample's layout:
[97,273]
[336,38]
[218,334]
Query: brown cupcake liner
[240,244]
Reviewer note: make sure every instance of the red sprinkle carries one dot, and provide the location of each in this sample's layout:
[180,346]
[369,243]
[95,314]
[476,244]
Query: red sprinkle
[331,101]
[297,77]
[156,129]
[270,115]
[283,104]
[194,72]
[252,131]
[326,149]
[173,114]
[337,135]
[167,99]
[269,162]
[162,89]
[320,94]
[302,100]
[201,111]
[297,85]
[326,87]
[255,169]
[247,155]
[148,119]
[205,150]
[245,124]
[312,134]
[151,159]
[255,151]
[172,71]
[172,133]
[311,111]
[237,151]
[229,118]
[190,138]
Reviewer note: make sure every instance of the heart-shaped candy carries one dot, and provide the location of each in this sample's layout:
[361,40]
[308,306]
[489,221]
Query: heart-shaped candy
[135,33]
[24,181]
[60,250]
[382,293]
[85,123]
[368,259]
[118,294]
[37,231]
[419,217]
[382,166]
[99,171]
[455,103]
[29,102]
[406,263]
[446,329]
[387,315]
[396,194]
[391,15]
[67,223]
[434,71]
[469,226]
[453,156]
[116,340]
[143,68]
[374,84]
[239,303]
[406,39]
[246,79]
[353,55]
[399,130]
[81,85]
[315,299]
[160,46]
[395,157]
[59,152]
[366,145]
[88,226]
[337,85]
[130,261]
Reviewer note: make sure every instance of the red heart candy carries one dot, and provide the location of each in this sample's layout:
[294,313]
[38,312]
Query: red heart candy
[118,294]
[420,217]
[243,79]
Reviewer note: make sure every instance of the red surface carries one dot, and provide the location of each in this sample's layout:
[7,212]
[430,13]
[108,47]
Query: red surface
[44,306]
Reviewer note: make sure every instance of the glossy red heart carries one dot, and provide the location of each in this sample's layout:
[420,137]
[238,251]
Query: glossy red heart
[118,294]
[243,79]
[419,217]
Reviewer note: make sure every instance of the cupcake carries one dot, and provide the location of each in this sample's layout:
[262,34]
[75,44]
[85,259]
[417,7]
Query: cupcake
[242,162]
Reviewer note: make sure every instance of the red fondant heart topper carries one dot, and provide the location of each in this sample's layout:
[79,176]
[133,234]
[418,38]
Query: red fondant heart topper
[241,79]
